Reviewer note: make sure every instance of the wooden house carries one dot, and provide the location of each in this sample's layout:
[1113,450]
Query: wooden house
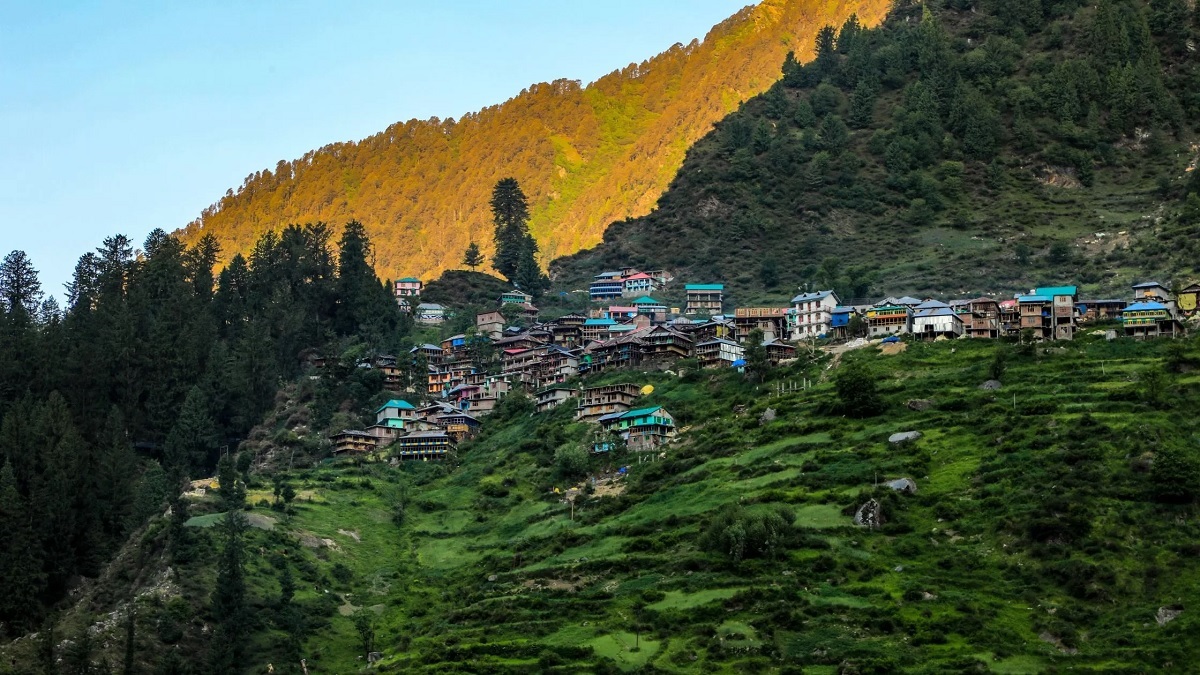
[708,330]
[355,442]
[1100,310]
[772,321]
[704,299]
[889,317]
[779,352]
[446,376]
[719,353]
[1153,291]
[454,346]
[459,426]
[1049,312]
[595,402]
[423,445]
[1010,317]
[643,430]
[839,321]
[651,308]
[551,398]
[664,344]
[431,353]
[597,329]
[812,314]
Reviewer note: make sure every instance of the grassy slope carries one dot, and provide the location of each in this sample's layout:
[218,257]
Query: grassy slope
[1031,525]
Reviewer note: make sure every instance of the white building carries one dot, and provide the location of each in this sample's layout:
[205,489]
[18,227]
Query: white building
[812,314]
[933,322]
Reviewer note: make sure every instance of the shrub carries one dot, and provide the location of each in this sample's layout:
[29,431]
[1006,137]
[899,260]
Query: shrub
[740,533]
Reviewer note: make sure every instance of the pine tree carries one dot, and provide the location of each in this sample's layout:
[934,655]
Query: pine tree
[510,215]
[20,567]
[233,493]
[228,603]
[20,289]
[472,257]
[756,356]
[192,439]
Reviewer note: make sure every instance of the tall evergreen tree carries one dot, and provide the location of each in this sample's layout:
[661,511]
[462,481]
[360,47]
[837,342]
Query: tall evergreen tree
[193,439]
[472,257]
[510,215]
[228,603]
[20,566]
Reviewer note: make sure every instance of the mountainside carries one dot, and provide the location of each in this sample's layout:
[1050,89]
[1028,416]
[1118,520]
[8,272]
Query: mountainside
[1044,527]
[585,156]
[957,149]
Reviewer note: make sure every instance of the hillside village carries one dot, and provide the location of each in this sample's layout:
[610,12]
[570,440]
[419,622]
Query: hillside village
[461,380]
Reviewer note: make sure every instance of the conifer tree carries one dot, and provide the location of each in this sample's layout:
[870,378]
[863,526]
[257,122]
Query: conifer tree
[228,603]
[510,214]
[472,257]
[193,438]
[20,568]
[756,356]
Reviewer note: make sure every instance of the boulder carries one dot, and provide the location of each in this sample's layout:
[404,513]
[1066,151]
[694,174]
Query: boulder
[1166,615]
[767,417]
[905,485]
[903,437]
[869,515]
[991,385]
[919,404]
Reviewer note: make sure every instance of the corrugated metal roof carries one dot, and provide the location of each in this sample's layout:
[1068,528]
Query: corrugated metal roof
[704,287]
[817,295]
[1055,290]
[1145,307]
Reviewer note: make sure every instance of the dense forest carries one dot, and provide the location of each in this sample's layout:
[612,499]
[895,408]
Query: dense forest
[958,148]
[152,372]
[585,155]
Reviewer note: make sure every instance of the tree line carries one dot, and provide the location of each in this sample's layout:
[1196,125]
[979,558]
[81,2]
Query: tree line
[155,368]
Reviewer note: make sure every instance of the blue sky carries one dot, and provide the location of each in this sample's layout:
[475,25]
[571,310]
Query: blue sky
[126,116]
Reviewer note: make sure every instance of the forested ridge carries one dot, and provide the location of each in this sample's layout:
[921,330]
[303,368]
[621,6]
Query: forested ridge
[152,372]
[585,155]
[957,149]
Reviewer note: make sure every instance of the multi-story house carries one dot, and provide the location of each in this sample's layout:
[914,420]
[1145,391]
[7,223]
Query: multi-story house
[490,324]
[719,353]
[596,402]
[515,297]
[643,430]
[606,286]
[935,319]
[1148,319]
[772,321]
[551,398]
[889,317]
[812,314]
[1049,312]
[424,445]
[707,299]
[406,290]
[597,330]
[649,307]
[431,314]
[1010,317]
[1100,310]
[637,284]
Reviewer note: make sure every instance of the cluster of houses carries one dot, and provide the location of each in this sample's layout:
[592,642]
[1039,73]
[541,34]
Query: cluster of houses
[466,375]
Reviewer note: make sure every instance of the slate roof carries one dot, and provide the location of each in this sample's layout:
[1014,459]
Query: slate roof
[819,295]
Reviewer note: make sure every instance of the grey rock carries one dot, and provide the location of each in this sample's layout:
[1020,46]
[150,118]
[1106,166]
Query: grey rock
[905,485]
[919,404]
[904,437]
[991,385]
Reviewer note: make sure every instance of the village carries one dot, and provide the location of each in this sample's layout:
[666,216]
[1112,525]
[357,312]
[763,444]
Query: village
[510,349]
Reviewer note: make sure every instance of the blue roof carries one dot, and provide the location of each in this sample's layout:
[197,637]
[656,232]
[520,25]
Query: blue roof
[843,310]
[1034,298]
[1149,284]
[599,322]
[819,295]
[397,404]
[1056,290]
[704,287]
[935,311]
[931,304]
[740,363]
[646,300]
[1145,307]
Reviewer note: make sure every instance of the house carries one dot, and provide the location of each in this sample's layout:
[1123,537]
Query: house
[431,314]
[1189,300]
[643,430]
[637,284]
[423,445]
[606,286]
[1151,290]
[1010,317]
[406,288]
[933,322]
[719,353]
[396,413]
[708,330]
[618,313]
[620,351]
[458,426]
[1148,319]
[551,398]
[812,314]
[778,352]
[664,344]
[1049,312]
[889,317]
[772,321]
[980,317]
[490,324]
[524,340]
[704,299]
[431,353]
[595,402]
[454,346]
[1100,310]
[839,321]
[649,307]
[515,297]
[597,329]
[353,442]
[567,331]
[446,376]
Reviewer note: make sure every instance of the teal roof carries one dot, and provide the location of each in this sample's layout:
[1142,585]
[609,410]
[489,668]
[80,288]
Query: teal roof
[599,322]
[411,280]
[394,403]
[1056,290]
[1034,298]
[646,300]
[704,287]
[641,412]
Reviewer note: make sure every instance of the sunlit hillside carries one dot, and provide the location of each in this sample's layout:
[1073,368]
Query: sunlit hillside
[585,155]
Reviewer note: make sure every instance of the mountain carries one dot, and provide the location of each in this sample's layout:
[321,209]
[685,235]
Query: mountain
[964,149]
[584,155]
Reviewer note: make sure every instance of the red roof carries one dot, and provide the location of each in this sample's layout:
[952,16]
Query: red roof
[639,275]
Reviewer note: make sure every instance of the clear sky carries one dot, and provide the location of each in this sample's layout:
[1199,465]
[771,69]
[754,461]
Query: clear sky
[126,116]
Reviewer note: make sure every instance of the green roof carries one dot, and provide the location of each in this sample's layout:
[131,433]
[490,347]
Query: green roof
[646,300]
[411,280]
[642,412]
[395,403]
[1056,290]
[704,287]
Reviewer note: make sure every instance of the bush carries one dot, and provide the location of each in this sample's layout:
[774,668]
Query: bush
[740,533]
[856,391]
[571,461]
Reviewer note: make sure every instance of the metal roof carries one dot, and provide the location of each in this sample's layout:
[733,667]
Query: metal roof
[1056,290]
[704,287]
